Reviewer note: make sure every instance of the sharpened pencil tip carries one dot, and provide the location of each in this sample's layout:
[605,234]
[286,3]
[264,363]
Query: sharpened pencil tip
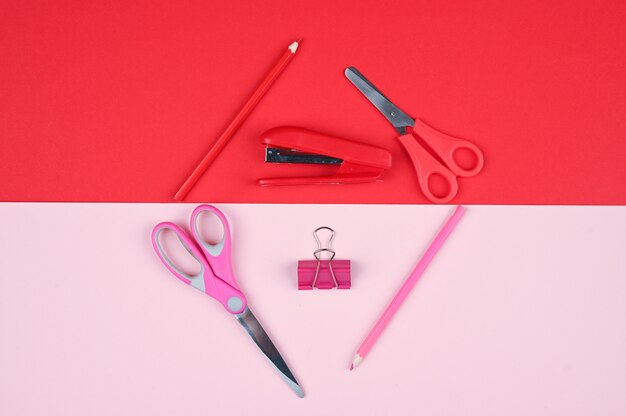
[355,361]
[294,46]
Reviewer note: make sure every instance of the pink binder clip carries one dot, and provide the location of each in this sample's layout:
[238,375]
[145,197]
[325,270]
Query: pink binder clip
[324,274]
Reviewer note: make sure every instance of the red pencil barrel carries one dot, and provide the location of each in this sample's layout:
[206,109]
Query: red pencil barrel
[234,125]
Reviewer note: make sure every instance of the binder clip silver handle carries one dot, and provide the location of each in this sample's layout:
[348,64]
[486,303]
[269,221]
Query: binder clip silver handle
[318,254]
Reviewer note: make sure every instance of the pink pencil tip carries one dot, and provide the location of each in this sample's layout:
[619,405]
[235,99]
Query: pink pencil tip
[351,367]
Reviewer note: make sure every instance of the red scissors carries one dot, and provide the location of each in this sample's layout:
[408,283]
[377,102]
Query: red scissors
[442,166]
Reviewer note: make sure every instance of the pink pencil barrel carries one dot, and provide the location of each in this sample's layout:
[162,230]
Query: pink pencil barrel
[408,284]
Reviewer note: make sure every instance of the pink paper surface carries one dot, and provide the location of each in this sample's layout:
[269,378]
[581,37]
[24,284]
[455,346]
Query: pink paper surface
[522,312]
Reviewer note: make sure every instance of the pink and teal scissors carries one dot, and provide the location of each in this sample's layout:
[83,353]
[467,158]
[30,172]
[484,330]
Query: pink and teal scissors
[437,168]
[216,279]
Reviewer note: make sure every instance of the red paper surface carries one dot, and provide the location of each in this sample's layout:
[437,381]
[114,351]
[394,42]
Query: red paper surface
[118,101]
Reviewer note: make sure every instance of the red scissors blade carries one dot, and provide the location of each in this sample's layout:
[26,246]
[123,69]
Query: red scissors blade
[398,118]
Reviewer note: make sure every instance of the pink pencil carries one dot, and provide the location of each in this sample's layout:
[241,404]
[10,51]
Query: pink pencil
[406,287]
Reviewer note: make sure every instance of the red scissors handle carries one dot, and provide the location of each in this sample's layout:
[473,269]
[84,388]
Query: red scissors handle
[427,168]
[447,147]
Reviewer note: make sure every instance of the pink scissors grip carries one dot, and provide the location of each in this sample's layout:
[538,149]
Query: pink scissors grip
[205,280]
[426,166]
[219,255]
[189,245]
[445,146]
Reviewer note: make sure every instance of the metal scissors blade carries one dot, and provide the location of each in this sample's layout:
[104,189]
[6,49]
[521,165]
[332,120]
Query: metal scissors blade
[267,347]
[398,118]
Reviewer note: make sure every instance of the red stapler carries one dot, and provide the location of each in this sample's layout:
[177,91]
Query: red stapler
[358,162]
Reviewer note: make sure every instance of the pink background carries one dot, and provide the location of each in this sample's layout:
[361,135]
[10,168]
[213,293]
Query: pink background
[522,312]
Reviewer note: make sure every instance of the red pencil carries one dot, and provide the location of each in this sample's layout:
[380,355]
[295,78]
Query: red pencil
[234,125]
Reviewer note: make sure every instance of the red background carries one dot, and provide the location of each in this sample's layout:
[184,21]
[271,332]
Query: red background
[118,101]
